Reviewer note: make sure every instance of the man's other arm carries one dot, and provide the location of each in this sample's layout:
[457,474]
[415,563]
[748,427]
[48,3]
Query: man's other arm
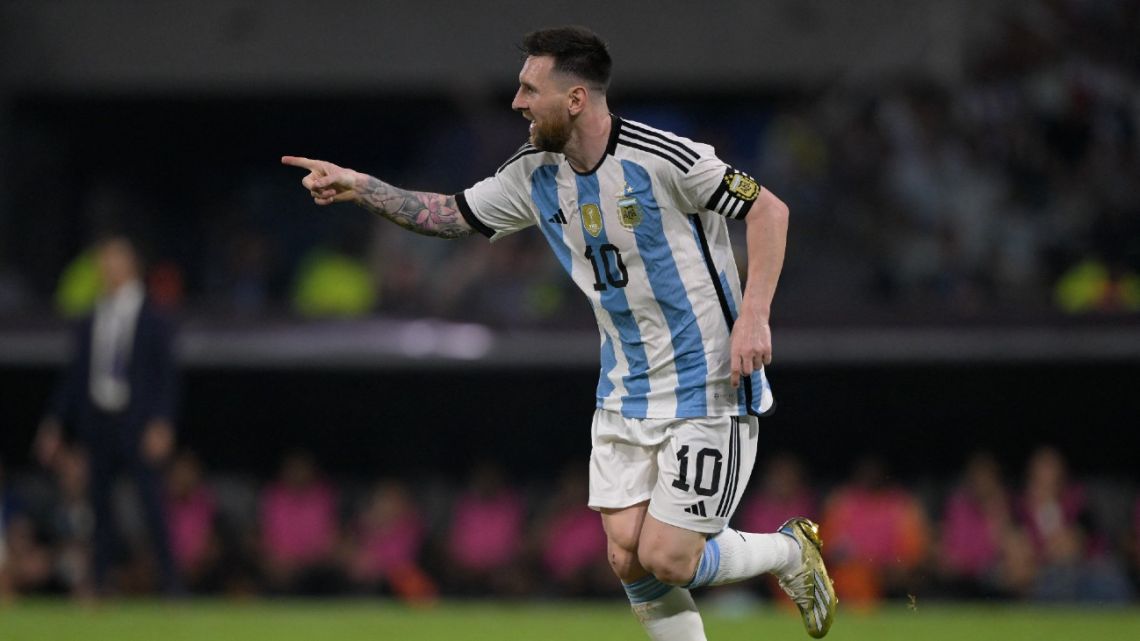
[766,239]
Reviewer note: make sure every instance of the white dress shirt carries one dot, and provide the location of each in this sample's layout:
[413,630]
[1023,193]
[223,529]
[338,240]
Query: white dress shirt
[113,333]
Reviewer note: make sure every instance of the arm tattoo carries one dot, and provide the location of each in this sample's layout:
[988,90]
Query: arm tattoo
[423,213]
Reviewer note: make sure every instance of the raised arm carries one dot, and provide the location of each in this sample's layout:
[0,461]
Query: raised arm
[422,212]
[767,235]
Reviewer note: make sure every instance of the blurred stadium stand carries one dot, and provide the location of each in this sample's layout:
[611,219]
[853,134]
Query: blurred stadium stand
[963,170]
[961,273]
[962,176]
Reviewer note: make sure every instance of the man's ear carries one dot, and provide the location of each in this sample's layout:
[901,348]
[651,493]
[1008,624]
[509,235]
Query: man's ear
[579,95]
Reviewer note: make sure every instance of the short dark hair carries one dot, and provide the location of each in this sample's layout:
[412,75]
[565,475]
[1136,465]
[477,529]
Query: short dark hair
[576,51]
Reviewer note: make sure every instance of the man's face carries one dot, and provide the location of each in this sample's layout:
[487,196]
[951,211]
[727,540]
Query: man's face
[543,99]
[117,266]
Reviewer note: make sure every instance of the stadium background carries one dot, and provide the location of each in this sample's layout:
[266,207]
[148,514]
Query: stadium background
[961,273]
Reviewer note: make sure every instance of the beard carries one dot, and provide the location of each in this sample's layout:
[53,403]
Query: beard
[551,136]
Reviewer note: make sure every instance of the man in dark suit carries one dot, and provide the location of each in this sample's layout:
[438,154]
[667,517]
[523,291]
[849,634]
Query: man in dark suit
[118,393]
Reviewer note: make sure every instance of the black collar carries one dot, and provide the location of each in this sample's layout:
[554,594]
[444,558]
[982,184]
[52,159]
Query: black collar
[611,145]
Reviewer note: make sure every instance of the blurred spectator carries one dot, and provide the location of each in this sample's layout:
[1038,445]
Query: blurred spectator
[237,524]
[165,285]
[409,268]
[781,494]
[25,563]
[1135,543]
[7,511]
[78,287]
[1091,286]
[877,536]
[191,516]
[570,540]
[333,284]
[249,266]
[385,544]
[1075,563]
[15,295]
[1017,569]
[1050,503]
[300,531]
[485,537]
[118,393]
[72,523]
[239,257]
[976,520]
[519,287]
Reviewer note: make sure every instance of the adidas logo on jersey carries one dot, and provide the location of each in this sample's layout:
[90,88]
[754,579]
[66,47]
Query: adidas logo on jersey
[558,217]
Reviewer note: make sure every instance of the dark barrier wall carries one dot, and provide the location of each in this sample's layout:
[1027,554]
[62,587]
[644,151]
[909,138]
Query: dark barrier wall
[368,423]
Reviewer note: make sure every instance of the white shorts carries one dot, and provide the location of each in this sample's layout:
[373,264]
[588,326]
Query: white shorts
[692,471]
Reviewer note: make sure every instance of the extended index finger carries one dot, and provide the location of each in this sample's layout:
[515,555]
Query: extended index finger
[298,161]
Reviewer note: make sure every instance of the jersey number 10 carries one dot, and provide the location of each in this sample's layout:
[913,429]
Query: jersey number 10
[605,254]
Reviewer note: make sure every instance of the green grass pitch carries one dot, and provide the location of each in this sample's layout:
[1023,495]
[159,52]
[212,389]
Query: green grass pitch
[46,620]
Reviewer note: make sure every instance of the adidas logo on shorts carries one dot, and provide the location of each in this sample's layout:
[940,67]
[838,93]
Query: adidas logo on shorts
[697,509]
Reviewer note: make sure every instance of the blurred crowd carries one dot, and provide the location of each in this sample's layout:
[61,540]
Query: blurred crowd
[1012,189]
[1005,191]
[1046,536]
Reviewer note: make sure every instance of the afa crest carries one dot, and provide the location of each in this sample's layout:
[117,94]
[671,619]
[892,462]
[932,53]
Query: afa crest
[592,219]
[630,209]
[742,186]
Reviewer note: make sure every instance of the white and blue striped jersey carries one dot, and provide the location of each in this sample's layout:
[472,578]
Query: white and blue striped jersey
[644,237]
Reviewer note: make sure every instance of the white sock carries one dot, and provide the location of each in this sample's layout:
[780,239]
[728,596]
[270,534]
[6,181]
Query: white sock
[665,612]
[734,556]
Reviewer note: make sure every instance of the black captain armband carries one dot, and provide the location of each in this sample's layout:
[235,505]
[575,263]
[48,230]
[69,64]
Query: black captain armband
[734,195]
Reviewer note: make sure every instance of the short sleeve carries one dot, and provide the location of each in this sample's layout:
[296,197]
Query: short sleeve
[501,204]
[715,185]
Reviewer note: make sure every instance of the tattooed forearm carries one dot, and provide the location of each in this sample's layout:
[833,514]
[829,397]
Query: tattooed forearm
[423,213]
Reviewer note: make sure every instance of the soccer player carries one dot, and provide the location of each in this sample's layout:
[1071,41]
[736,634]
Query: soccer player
[636,216]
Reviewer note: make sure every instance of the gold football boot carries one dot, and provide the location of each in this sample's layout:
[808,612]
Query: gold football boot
[809,586]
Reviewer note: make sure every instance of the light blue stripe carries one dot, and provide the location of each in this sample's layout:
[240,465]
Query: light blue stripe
[647,589]
[636,401]
[710,563]
[544,192]
[669,290]
[609,362]
[757,391]
[759,384]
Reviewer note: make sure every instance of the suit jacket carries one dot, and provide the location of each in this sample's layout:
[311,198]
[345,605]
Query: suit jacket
[151,373]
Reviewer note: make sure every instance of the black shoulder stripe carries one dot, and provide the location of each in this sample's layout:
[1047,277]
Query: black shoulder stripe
[524,147]
[678,145]
[654,143]
[525,150]
[655,152]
